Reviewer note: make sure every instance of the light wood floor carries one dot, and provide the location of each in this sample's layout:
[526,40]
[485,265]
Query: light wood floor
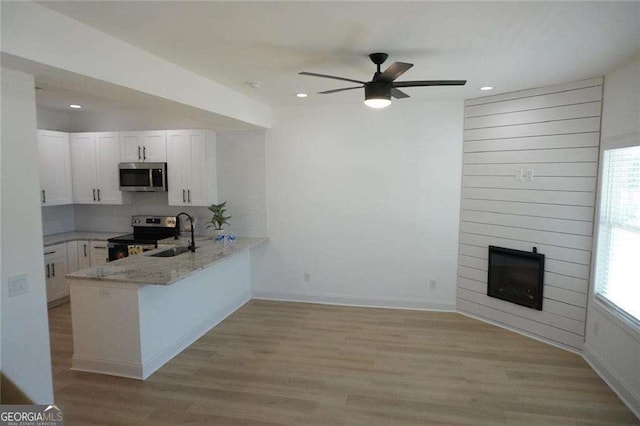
[302,364]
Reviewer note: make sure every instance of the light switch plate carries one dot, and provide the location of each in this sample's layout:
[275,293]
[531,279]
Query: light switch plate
[18,284]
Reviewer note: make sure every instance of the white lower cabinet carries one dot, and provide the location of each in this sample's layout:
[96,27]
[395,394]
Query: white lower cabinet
[73,264]
[99,253]
[83,254]
[55,270]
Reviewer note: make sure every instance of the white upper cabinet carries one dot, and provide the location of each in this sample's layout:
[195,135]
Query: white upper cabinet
[95,158]
[150,146]
[191,167]
[55,168]
[107,159]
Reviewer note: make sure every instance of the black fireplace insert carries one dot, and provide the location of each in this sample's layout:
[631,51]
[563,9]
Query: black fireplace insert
[516,276]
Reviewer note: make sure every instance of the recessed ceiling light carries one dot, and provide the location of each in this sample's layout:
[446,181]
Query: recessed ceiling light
[254,84]
[486,88]
[301,95]
[75,106]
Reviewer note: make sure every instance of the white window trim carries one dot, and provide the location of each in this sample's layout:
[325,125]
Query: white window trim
[622,319]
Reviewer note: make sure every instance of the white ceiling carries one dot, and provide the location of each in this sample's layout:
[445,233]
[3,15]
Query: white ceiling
[509,45]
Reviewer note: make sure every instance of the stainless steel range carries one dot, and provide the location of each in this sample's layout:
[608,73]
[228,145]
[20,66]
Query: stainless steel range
[147,231]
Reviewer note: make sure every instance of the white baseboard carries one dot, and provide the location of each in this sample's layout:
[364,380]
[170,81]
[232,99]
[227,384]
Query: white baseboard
[364,302]
[615,382]
[153,363]
[522,332]
[102,366]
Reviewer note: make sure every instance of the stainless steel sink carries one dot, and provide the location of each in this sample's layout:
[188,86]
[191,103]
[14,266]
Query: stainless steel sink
[170,252]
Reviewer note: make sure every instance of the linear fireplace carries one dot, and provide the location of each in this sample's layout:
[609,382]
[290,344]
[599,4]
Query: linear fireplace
[516,276]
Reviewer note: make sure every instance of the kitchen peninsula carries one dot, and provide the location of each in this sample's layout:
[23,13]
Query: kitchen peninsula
[133,315]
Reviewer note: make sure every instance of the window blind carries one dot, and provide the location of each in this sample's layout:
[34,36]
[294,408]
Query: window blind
[618,250]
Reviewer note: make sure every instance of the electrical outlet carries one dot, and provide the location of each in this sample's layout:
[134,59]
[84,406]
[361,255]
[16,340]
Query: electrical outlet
[307,277]
[433,284]
[105,293]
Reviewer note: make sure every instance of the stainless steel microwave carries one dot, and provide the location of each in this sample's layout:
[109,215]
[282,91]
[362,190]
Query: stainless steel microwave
[143,177]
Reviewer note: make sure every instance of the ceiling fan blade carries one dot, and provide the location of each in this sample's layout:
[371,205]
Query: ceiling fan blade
[339,90]
[394,71]
[313,74]
[398,94]
[419,83]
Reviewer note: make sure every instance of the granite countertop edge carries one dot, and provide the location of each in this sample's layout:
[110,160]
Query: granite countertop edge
[65,237]
[147,270]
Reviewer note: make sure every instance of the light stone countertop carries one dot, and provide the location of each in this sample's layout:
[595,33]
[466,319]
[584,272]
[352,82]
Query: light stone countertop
[144,269]
[64,237]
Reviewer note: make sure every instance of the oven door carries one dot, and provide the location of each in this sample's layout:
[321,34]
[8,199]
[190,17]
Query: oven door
[122,250]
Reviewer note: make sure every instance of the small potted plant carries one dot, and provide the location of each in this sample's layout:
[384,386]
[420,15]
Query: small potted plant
[218,220]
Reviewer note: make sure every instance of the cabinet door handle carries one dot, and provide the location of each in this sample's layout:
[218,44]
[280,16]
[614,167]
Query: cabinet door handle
[49,252]
[184,200]
[188,195]
[44,197]
[94,194]
[48,271]
[85,250]
[53,269]
[144,152]
[99,194]
[139,153]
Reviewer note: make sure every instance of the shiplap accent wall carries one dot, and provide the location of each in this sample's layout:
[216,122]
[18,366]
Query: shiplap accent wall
[529,179]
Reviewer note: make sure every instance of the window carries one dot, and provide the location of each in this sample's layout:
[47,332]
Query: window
[618,250]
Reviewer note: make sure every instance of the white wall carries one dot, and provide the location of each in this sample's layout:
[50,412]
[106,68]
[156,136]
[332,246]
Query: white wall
[612,346]
[25,335]
[36,33]
[554,132]
[365,201]
[130,119]
[49,119]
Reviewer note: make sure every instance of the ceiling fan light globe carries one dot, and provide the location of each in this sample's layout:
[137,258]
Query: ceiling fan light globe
[377,94]
[377,103]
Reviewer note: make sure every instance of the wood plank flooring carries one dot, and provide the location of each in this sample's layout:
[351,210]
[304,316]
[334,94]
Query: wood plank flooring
[279,363]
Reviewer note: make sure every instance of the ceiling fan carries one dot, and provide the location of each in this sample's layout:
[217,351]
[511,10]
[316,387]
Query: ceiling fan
[378,91]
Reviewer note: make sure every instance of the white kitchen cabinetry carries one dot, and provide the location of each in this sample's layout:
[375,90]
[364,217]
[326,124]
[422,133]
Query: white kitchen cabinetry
[95,158]
[72,257]
[83,254]
[55,168]
[55,269]
[150,146]
[98,252]
[191,167]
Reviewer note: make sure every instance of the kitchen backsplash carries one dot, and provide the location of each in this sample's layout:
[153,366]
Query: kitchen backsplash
[56,219]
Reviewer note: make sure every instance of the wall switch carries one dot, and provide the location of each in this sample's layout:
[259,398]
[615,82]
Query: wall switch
[307,277]
[18,284]
[433,284]
[529,175]
[596,328]
[519,175]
